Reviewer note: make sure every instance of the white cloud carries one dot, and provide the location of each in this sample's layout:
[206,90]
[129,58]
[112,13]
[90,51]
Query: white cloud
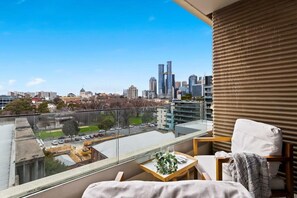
[35,81]
[151,18]
[11,82]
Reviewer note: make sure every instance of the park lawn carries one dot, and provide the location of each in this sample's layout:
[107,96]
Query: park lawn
[88,129]
[44,134]
[85,129]
[135,120]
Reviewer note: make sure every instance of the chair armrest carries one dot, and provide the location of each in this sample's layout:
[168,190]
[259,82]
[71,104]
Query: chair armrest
[276,158]
[120,176]
[208,139]
[213,139]
[205,176]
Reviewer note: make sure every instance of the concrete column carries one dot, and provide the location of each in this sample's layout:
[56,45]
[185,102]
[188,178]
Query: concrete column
[23,180]
[36,170]
[41,169]
[26,173]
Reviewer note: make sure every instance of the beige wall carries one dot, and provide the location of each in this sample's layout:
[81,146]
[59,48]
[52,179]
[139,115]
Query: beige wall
[255,66]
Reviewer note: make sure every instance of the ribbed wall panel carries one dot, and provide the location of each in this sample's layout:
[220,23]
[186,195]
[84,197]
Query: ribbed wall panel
[255,67]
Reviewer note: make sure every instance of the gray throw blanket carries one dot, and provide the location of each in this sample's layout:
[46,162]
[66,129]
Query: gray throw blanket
[251,170]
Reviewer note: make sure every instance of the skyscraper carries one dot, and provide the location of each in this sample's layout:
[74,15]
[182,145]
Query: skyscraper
[192,81]
[169,80]
[153,85]
[177,84]
[161,83]
[184,84]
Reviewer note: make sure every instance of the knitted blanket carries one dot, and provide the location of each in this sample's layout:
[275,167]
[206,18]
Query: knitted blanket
[251,170]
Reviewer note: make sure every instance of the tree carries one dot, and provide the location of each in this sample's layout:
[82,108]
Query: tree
[53,166]
[57,100]
[147,117]
[187,97]
[61,105]
[20,106]
[106,124]
[70,127]
[43,108]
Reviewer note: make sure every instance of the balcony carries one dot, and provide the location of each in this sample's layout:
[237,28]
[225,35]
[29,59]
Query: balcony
[254,64]
[72,183]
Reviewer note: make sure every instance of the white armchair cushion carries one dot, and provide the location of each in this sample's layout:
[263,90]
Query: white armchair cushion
[256,137]
[207,164]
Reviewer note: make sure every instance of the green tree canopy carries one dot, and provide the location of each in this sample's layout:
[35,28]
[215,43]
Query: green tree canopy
[106,124]
[61,105]
[53,166]
[147,117]
[70,127]
[43,108]
[20,106]
[187,97]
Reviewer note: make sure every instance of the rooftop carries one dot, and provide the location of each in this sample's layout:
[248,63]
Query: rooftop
[132,143]
[5,159]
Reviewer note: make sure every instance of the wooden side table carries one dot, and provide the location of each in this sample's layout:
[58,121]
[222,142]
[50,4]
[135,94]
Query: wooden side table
[182,169]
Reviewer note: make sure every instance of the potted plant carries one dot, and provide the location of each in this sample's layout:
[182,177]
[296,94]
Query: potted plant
[166,162]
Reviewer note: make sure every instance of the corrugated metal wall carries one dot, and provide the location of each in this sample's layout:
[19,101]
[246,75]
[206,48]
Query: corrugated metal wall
[255,67]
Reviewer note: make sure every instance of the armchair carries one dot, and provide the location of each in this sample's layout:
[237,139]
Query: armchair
[251,137]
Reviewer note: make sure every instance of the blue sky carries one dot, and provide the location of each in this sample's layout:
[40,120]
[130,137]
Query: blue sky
[103,46]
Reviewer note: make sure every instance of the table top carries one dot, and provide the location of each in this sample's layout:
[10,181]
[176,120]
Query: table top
[150,167]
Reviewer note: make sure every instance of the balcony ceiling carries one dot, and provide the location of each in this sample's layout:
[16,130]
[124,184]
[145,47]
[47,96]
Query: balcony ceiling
[203,8]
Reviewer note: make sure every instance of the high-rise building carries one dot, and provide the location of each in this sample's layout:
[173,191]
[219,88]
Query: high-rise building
[197,90]
[184,84]
[161,83]
[132,92]
[153,85]
[169,80]
[177,84]
[192,81]
[207,93]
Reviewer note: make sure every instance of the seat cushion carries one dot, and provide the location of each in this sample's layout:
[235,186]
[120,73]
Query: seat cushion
[259,138]
[207,164]
[277,183]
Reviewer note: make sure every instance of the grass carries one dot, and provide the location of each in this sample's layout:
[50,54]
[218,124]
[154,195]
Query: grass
[48,134]
[135,120]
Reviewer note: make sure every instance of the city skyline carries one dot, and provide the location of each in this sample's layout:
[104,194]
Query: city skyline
[45,46]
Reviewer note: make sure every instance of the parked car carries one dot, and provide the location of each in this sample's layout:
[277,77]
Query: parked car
[87,137]
[131,126]
[96,135]
[55,142]
[112,129]
[61,138]
[81,134]
[118,128]
[77,139]
[61,141]
[101,131]
[83,138]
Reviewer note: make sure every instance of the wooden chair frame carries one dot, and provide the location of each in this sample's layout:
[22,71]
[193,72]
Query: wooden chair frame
[286,159]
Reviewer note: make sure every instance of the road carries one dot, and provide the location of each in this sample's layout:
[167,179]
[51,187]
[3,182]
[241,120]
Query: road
[125,132]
